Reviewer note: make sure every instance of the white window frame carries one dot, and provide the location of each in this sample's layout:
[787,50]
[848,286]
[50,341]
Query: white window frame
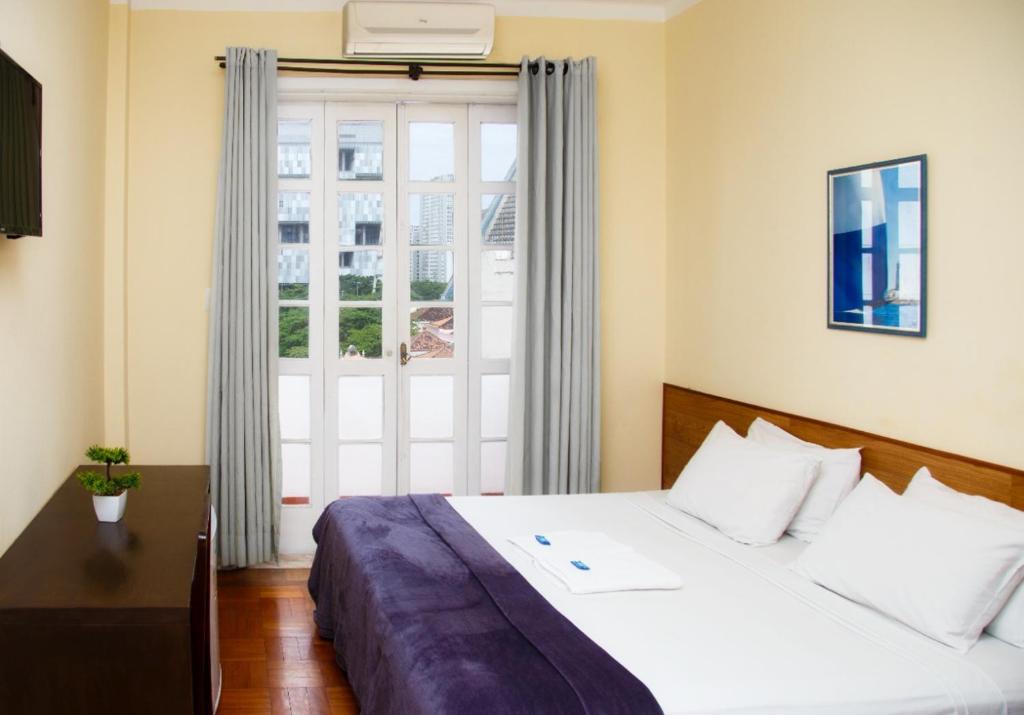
[301,517]
[386,365]
[478,365]
[456,366]
[305,98]
[439,91]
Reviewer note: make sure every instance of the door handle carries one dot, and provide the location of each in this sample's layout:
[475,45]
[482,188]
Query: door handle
[403,354]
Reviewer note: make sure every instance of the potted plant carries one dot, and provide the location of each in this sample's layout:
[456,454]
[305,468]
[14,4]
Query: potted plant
[109,491]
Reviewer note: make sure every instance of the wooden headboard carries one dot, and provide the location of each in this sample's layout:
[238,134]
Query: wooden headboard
[688,416]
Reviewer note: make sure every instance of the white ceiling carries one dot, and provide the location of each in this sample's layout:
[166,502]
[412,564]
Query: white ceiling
[644,10]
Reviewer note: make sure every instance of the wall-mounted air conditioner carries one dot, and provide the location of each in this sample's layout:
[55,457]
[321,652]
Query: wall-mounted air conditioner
[418,30]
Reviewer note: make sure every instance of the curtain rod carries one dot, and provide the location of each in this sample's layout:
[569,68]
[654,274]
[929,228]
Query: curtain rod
[407,68]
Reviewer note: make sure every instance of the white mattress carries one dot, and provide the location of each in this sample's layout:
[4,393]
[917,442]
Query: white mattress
[745,634]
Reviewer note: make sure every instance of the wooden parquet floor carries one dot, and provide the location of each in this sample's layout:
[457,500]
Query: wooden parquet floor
[273,662]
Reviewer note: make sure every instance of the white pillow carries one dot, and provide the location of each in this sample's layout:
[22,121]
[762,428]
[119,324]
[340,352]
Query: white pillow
[840,470]
[1008,625]
[934,569]
[748,491]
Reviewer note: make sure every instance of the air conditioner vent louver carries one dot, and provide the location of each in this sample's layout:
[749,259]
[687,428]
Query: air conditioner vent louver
[402,30]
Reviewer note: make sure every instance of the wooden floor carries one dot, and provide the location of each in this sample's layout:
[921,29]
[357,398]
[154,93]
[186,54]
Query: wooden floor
[272,659]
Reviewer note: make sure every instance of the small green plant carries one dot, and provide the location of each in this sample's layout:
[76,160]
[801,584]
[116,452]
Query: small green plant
[108,485]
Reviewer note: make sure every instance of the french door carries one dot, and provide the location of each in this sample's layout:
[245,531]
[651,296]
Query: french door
[395,282]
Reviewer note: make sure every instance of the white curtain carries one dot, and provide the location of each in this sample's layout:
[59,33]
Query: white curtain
[242,433]
[555,406]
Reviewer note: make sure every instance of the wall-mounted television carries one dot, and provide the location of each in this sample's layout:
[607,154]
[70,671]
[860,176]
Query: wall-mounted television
[21,145]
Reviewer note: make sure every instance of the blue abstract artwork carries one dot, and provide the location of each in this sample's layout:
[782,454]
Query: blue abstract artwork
[877,228]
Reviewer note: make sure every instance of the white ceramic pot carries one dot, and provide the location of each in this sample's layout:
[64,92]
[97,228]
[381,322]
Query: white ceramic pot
[110,508]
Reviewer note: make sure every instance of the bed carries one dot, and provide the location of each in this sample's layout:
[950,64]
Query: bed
[743,634]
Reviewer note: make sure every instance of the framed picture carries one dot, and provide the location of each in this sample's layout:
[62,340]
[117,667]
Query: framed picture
[877,221]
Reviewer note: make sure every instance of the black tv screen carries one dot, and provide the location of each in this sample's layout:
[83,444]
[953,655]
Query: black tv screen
[21,144]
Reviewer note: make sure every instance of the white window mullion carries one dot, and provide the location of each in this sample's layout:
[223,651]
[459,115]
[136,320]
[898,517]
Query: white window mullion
[474,373]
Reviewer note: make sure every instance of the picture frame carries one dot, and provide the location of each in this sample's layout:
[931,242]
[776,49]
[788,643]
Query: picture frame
[877,247]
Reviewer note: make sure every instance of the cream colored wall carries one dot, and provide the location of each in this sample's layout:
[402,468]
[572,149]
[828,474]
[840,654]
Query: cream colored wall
[116,188]
[764,96]
[755,100]
[51,288]
[174,125]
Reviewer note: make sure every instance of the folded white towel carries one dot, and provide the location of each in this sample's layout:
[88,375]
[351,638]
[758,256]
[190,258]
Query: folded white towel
[603,573]
[547,543]
[591,562]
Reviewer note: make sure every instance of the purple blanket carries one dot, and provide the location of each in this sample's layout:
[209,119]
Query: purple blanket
[426,617]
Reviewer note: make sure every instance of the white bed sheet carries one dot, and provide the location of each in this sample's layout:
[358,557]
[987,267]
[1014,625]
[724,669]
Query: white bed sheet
[745,634]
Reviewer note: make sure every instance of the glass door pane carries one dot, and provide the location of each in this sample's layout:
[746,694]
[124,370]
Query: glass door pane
[433,203]
[492,166]
[361,291]
[300,310]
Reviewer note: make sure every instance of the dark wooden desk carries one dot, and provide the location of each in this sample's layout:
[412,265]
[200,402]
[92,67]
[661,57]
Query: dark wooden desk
[110,618]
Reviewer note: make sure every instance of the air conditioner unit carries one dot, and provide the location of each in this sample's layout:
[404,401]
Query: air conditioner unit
[418,30]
